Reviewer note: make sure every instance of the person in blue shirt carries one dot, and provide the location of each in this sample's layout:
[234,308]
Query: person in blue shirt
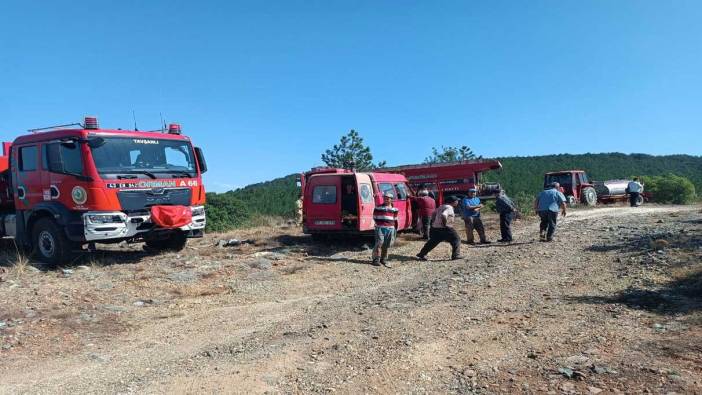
[471,217]
[547,204]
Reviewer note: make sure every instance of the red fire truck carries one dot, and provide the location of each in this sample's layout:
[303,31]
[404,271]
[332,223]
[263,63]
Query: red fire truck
[452,178]
[67,186]
[339,201]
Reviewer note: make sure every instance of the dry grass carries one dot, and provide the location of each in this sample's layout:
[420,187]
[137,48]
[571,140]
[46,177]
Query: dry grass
[16,261]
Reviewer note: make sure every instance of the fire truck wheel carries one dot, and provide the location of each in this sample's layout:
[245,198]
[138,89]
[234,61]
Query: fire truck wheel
[174,242]
[589,196]
[50,244]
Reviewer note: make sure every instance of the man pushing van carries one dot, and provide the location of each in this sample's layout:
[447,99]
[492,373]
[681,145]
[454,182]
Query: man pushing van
[385,217]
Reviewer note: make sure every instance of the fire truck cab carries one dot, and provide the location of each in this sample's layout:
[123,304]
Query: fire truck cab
[64,187]
[339,201]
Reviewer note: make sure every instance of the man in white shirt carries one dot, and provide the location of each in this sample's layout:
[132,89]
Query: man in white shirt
[634,188]
[442,230]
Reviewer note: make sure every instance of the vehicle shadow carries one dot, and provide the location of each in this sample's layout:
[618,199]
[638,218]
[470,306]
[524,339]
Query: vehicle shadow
[11,255]
[392,258]
[325,247]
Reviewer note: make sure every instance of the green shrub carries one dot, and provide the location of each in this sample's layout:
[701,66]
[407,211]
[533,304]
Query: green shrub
[525,203]
[225,212]
[670,189]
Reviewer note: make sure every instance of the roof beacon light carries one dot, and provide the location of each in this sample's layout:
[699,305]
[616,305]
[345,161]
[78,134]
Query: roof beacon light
[174,128]
[90,123]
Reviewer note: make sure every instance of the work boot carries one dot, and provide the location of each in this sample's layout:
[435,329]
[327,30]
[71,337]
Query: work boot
[422,257]
[485,242]
[457,258]
[376,262]
[385,263]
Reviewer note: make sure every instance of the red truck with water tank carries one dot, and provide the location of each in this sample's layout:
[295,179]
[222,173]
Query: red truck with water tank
[67,186]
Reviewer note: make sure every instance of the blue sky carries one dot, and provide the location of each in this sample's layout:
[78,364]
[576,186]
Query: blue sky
[266,87]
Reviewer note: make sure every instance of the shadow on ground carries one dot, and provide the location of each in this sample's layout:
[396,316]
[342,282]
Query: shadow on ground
[683,295]
[11,255]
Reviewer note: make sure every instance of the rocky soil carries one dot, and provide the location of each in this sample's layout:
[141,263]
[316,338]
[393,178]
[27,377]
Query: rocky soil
[614,305]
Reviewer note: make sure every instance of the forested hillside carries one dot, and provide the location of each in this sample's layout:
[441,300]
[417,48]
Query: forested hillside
[519,176]
[525,174]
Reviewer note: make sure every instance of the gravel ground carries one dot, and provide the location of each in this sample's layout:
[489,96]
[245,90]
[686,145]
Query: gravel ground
[614,305]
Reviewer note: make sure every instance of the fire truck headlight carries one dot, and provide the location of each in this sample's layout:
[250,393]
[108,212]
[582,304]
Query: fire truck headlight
[104,218]
[198,211]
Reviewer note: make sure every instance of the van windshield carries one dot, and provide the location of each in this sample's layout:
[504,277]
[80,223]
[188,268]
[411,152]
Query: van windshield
[144,156]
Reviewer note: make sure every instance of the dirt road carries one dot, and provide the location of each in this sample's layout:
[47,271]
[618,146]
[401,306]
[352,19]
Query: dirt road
[613,305]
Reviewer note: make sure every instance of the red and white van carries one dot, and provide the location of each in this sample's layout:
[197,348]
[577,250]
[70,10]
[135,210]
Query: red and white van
[339,201]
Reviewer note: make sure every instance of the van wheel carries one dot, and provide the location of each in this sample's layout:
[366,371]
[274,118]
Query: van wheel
[50,244]
[174,242]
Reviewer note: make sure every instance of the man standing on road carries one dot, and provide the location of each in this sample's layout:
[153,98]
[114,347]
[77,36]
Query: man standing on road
[547,205]
[385,217]
[635,188]
[425,208]
[506,208]
[442,230]
[471,217]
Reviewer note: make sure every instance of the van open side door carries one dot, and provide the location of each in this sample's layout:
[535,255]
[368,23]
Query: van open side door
[366,202]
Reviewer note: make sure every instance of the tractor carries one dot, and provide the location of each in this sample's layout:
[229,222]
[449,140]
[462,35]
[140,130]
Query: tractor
[575,185]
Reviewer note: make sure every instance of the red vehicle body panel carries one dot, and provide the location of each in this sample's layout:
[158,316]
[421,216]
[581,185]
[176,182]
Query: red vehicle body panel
[450,178]
[328,207]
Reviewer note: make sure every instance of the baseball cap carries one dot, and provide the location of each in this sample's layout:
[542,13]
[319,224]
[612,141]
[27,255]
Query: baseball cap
[451,199]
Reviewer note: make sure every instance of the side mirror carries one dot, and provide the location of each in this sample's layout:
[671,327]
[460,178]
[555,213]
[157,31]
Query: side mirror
[53,158]
[201,160]
[95,142]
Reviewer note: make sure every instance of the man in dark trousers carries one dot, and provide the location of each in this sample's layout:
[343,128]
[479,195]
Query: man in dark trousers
[547,205]
[425,208]
[634,188]
[506,208]
[471,217]
[442,230]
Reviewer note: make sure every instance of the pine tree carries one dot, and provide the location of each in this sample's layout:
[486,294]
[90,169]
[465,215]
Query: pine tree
[350,153]
[450,154]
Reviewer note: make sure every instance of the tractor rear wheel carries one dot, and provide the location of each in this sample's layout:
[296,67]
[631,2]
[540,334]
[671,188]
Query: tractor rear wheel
[589,197]
[639,200]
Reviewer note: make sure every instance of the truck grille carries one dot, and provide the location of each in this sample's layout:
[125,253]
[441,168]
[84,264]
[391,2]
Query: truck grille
[134,200]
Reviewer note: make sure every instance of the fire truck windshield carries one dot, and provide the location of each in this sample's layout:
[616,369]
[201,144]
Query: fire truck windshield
[165,158]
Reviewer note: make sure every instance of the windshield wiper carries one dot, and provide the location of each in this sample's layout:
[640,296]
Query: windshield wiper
[181,174]
[125,176]
[148,173]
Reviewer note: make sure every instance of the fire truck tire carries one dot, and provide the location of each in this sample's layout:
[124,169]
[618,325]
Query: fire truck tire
[589,196]
[50,244]
[174,242]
